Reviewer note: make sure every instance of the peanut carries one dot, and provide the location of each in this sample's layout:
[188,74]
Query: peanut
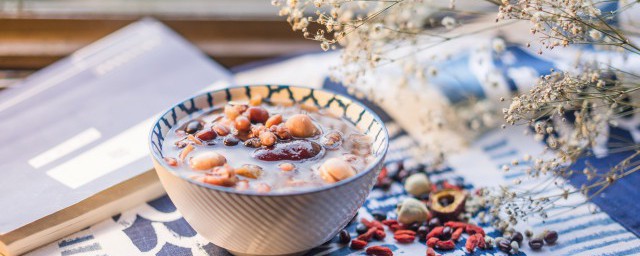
[335,169]
[242,123]
[273,120]
[301,126]
[206,161]
[250,171]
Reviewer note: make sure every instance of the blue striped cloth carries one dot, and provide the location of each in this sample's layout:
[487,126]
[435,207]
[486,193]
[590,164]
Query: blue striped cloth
[608,226]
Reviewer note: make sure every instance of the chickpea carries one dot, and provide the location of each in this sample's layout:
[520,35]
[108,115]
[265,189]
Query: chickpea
[301,126]
[336,169]
[242,123]
[206,161]
[267,138]
[231,112]
[287,167]
[273,120]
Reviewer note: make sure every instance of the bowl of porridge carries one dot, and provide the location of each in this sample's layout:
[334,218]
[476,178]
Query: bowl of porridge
[268,169]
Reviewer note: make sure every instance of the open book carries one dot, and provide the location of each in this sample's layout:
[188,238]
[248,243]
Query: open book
[75,147]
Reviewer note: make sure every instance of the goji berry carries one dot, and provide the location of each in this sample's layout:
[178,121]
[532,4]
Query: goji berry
[406,231]
[382,175]
[357,244]
[456,234]
[445,245]
[432,241]
[472,229]
[379,234]
[379,251]
[481,243]
[389,222]
[435,232]
[455,224]
[371,224]
[368,235]
[396,227]
[471,244]
[404,238]
[431,252]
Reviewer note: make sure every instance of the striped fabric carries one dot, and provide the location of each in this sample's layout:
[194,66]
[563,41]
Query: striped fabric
[156,228]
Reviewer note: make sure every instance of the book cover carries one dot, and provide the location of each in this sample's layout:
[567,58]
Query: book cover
[80,126]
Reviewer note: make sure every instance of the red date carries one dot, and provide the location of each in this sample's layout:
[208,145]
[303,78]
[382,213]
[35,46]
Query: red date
[294,150]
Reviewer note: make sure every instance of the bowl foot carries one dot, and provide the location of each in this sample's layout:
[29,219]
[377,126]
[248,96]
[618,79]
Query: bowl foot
[248,254]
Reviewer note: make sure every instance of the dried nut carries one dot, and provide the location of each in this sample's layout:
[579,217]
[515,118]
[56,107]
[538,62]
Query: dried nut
[221,130]
[332,140]
[206,161]
[253,143]
[448,204]
[287,167]
[411,210]
[206,135]
[242,123]
[418,184]
[267,138]
[336,169]
[221,176]
[273,120]
[282,132]
[255,100]
[250,171]
[231,112]
[187,149]
[301,126]
[258,115]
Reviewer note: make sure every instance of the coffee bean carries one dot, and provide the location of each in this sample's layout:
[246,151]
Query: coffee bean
[379,215]
[361,229]
[551,237]
[536,243]
[193,127]
[517,237]
[344,236]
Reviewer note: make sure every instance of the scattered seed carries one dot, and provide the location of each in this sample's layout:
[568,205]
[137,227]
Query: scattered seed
[536,243]
[344,237]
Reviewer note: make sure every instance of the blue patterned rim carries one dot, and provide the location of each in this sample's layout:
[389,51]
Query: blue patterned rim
[333,100]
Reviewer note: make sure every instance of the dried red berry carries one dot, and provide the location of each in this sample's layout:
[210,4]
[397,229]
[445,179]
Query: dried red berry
[358,244]
[379,234]
[431,252]
[367,235]
[405,232]
[396,227]
[455,224]
[435,232]
[472,229]
[389,222]
[372,224]
[445,245]
[456,234]
[404,238]
[481,243]
[171,161]
[432,241]
[471,244]
[379,251]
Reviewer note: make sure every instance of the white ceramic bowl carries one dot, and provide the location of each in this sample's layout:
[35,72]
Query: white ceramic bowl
[248,223]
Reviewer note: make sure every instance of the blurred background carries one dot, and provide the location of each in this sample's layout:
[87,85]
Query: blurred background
[35,33]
